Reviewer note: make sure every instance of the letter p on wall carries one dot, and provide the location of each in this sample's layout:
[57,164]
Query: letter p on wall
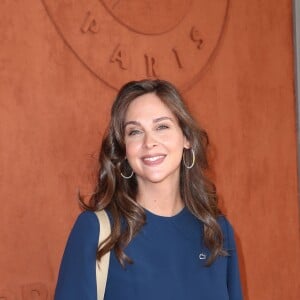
[34,291]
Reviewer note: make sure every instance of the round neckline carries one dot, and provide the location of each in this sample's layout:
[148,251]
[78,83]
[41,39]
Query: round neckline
[165,218]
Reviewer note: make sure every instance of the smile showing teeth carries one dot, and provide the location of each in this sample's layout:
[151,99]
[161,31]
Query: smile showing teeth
[153,158]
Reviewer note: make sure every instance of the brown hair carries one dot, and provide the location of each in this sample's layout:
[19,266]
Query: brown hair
[117,195]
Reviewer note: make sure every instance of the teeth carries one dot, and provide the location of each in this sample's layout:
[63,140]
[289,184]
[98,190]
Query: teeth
[154,158]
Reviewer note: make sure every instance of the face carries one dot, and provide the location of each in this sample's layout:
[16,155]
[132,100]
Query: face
[153,139]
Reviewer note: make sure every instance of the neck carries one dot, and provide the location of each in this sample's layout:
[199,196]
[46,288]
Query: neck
[160,198]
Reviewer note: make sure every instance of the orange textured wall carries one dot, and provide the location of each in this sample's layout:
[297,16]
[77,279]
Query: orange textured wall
[56,87]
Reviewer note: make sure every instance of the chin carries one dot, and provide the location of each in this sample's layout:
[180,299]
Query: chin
[157,178]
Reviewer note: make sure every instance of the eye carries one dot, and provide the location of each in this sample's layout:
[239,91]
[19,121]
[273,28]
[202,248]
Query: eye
[132,132]
[163,126]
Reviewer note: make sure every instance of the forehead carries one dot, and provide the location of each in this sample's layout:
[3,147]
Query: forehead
[148,106]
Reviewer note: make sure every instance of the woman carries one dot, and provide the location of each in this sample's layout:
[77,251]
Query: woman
[169,239]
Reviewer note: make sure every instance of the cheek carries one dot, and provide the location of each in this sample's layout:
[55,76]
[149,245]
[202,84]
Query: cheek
[132,148]
[177,140]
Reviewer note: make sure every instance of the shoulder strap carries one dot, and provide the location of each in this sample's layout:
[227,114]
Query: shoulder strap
[102,266]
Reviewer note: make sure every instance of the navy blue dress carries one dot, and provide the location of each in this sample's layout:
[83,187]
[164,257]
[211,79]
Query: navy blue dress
[169,263]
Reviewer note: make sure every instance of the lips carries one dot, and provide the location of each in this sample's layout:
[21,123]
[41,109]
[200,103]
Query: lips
[153,160]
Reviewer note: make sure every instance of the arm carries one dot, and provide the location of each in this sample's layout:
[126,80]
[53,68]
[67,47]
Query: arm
[77,275]
[233,274]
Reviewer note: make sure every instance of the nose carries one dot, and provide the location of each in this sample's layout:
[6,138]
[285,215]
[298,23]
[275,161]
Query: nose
[149,140]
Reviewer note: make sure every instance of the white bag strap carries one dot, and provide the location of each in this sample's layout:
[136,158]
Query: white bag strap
[102,266]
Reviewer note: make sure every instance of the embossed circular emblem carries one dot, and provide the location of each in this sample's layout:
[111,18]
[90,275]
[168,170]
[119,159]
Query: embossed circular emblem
[148,17]
[120,40]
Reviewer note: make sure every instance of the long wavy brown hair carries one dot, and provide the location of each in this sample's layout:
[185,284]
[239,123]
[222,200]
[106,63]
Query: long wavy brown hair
[118,195]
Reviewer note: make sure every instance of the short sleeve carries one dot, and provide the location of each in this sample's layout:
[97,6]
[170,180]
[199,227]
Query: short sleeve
[233,273]
[77,275]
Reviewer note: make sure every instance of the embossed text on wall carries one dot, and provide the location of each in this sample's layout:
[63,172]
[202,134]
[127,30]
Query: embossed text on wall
[120,40]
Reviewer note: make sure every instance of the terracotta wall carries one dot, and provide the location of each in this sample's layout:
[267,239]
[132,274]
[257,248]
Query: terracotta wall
[59,64]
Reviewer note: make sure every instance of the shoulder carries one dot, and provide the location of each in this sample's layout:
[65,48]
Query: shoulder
[224,222]
[86,226]
[87,219]
[228,232]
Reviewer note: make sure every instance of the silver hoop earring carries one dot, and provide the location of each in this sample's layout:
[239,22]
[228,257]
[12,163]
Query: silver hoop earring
[193,160]
[126,177]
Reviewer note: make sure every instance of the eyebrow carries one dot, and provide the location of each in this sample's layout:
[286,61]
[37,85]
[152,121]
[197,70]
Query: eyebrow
[156,120]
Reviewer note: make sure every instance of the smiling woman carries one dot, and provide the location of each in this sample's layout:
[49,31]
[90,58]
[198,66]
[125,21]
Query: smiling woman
[169,240]
[154,144]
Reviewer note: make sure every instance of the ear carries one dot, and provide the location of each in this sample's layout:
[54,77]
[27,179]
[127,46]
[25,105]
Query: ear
[186,143]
